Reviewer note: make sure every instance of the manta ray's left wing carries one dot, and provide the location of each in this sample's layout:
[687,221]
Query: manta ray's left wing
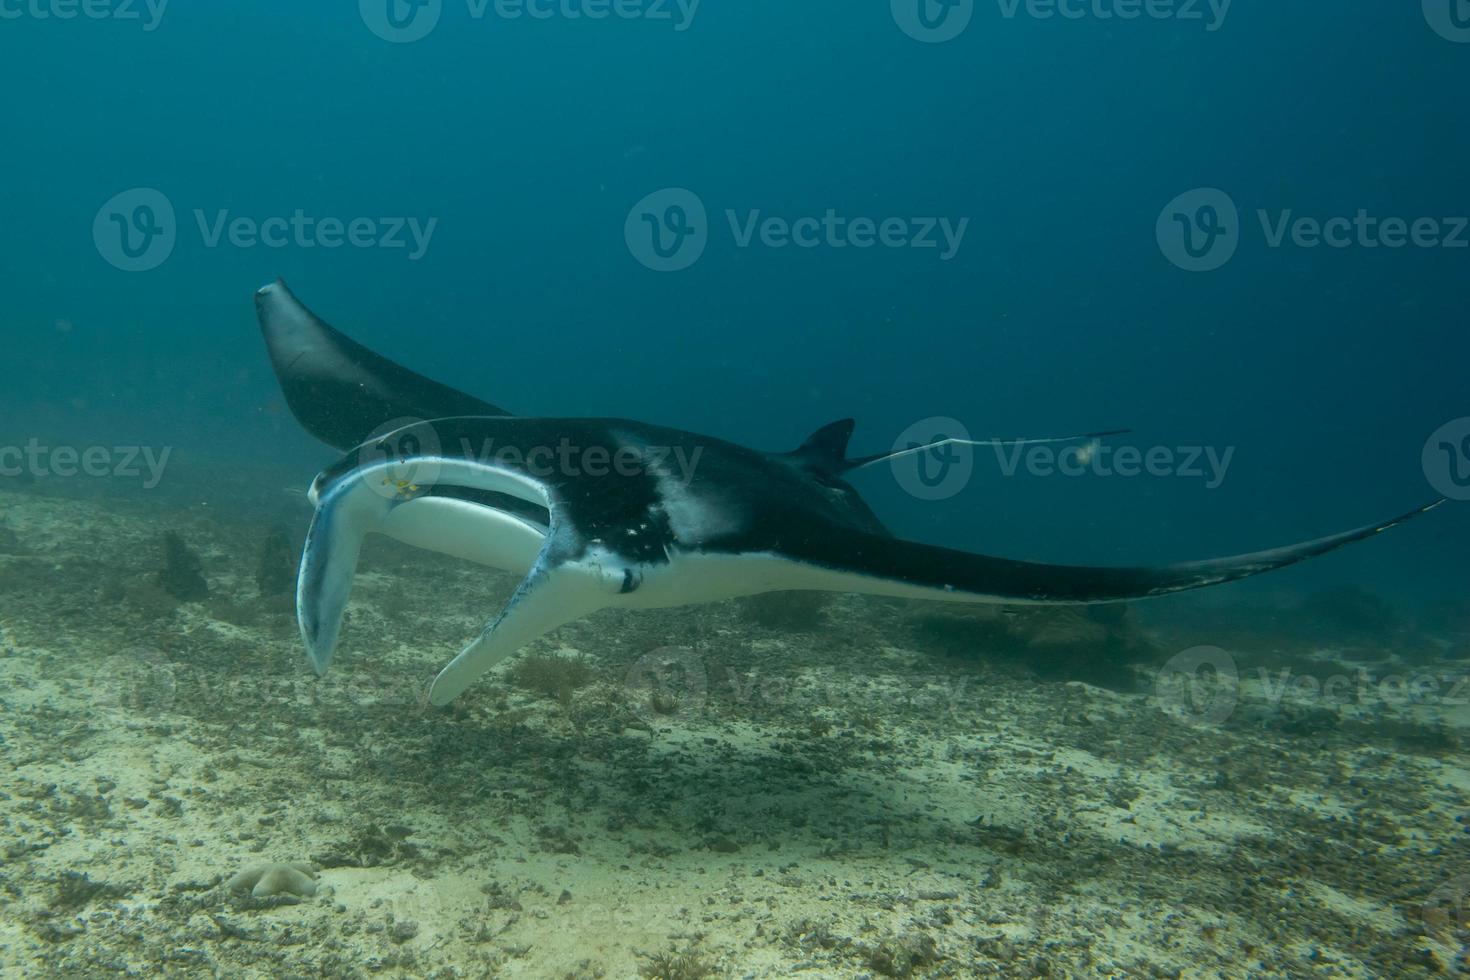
[340,391]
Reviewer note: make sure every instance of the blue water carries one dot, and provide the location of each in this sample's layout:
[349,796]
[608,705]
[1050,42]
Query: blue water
[528,141]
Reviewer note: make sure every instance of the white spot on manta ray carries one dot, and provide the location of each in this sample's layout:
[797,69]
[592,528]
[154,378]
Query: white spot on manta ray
[693,517]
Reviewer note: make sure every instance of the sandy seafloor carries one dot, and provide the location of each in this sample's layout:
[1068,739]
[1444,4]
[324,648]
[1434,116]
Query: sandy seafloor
[857,789]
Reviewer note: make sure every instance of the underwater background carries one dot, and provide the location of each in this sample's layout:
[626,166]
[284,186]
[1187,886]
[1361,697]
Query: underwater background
[529,140]
[1121,182]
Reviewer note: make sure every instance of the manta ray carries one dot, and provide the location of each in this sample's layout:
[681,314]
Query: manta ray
[609,512]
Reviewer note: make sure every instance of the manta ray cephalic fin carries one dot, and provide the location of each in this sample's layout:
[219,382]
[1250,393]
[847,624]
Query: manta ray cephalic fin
[345,515]
[363,500]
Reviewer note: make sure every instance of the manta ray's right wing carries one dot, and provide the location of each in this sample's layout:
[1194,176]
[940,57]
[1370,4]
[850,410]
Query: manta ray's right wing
[553,593]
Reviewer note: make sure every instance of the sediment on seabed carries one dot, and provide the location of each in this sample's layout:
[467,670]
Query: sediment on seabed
[833,787]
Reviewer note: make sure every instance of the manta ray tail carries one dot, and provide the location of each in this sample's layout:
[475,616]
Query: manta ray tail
[862,461]
[340,391]
[889,566]
[825,451]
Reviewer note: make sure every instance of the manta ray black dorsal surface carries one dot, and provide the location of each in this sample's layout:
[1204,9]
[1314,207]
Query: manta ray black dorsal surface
[339,390]
[694,519]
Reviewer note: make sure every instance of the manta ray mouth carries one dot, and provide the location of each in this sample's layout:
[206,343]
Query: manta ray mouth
[526,510]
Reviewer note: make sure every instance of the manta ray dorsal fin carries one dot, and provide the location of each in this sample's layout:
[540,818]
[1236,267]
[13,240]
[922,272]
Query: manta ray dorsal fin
[552,594]
[826,449]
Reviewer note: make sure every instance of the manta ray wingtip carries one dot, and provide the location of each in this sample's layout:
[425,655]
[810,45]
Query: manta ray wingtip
[274,291]
[441,694]
[451,682]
